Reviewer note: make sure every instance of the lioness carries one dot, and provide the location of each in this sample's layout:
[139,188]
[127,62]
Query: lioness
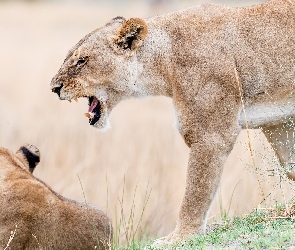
[32,216]
[225,68]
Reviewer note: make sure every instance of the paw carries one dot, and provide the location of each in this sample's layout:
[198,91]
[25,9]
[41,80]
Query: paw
[162,243]
[176,238]
[158,244]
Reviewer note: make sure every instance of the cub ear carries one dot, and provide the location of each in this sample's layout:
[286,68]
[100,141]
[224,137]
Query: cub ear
[30,155]
[130,35]
[118,19]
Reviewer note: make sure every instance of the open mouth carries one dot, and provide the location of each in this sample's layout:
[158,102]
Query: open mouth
[94,110]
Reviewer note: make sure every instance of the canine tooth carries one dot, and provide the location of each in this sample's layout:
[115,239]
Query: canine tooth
[76,99]
[69,101]
[89,115]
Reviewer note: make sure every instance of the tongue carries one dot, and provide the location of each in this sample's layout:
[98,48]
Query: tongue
[93,105]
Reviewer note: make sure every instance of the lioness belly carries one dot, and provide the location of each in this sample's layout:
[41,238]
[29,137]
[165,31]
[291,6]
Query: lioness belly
[261,115]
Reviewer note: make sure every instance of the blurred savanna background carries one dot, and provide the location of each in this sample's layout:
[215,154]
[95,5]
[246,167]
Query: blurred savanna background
[136,171]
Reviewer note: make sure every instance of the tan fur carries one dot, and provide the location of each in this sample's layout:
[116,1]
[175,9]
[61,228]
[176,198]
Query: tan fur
[193,56]
[134,27]
[39,217]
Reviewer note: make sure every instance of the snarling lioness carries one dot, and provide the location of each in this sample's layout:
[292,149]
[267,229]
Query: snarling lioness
[32,216]
[225,68]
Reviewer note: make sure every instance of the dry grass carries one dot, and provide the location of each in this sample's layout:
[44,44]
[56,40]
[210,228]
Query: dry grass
[142,153]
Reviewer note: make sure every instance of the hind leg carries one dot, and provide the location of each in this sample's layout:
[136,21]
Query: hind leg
[282,139]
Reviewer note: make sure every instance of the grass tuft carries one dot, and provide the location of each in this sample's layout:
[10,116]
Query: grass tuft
[264,228]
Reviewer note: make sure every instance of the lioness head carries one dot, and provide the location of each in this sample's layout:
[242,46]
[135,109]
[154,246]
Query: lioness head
[102,67]
[29,155]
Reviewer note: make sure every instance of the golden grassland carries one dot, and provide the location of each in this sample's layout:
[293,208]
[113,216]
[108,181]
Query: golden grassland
[135,170]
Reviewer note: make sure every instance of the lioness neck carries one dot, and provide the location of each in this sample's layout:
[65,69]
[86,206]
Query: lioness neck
[153,62]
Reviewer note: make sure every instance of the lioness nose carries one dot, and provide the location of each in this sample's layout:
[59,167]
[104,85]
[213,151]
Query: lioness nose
[57,89]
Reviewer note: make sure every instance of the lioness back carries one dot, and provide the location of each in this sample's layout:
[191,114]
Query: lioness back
[32,216]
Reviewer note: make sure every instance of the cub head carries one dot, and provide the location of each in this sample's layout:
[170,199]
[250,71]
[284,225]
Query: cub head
[102,67]
[29,155]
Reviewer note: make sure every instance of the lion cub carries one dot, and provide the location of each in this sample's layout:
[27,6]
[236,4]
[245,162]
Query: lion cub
[33,216]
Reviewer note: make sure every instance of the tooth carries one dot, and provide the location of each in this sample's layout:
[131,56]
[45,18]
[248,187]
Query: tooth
[89,115]
[69,101]
[76,99]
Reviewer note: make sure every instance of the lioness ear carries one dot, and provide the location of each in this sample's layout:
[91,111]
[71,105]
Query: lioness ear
[30,156]
[131,35]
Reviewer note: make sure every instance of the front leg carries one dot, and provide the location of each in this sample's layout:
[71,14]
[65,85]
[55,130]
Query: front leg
[210,131]
[203,177]
[204,172]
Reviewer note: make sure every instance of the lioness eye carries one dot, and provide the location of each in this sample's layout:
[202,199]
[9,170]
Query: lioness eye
[82,61]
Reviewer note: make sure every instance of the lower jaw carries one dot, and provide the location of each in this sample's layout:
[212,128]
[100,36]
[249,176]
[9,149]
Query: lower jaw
[102,125]
[94,120]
